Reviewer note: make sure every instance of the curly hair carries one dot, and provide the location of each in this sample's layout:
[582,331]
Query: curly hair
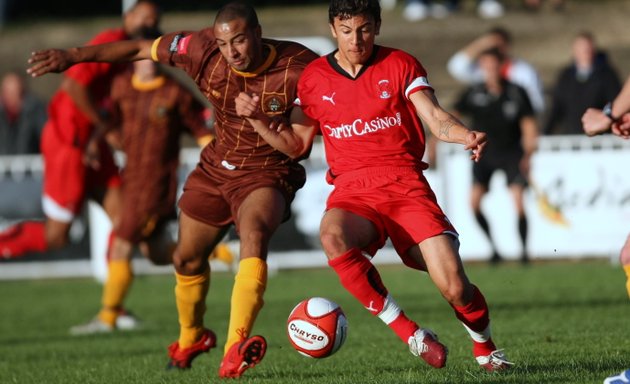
[345,9]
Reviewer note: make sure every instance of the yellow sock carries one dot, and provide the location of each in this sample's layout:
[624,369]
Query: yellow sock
[119,279]
[190,296]
[222,252]
[247,298]
[627,269]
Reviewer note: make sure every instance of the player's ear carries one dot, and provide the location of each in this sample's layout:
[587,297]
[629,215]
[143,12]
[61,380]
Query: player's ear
[332,30]
[377,28]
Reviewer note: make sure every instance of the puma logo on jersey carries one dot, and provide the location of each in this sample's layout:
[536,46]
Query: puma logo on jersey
[329,98]
[371,308]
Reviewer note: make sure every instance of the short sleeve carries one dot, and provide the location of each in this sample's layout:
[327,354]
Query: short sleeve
[415,77]
[184,50]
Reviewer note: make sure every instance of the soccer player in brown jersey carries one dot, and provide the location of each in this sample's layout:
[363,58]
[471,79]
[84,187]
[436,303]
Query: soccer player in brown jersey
[240,179]
[149,113]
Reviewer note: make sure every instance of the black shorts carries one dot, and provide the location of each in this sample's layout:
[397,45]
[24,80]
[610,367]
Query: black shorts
[510,164]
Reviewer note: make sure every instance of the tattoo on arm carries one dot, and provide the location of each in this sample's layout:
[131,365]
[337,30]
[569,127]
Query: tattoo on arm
[445,128]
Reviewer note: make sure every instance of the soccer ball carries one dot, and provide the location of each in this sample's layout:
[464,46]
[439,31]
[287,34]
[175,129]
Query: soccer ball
[317,327]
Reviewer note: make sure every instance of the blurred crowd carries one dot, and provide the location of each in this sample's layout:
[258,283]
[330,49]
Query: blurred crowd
[416,10]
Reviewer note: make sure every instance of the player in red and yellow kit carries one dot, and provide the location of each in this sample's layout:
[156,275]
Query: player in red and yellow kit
[240,179]
[77,161]
[367,102]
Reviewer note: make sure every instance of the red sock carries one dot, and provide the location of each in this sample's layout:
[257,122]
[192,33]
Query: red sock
[475,316]
[359,277]
[29,237]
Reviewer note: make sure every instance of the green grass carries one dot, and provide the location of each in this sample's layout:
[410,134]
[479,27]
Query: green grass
[559,322]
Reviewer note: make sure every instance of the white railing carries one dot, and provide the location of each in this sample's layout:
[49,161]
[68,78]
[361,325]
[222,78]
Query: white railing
[583,180]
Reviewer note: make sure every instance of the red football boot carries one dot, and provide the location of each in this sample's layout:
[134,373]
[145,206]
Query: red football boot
[242,356]
[424,343]
[182,358]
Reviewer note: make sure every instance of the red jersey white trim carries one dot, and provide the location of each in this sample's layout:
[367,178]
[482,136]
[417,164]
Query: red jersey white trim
[367,121]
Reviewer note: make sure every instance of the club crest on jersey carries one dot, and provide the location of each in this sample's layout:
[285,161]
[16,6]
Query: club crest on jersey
[384,89]
[273,103]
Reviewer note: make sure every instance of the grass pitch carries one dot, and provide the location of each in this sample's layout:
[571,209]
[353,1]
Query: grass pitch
[560,323]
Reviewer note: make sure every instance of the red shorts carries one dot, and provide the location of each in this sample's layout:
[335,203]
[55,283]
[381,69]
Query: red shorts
[67,181]
[398,201]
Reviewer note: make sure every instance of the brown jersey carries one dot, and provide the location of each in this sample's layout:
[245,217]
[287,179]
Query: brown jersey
[152,116]
[237,146]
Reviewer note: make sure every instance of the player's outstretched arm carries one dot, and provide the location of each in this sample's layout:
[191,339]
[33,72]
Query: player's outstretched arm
[595,122]
[293,138]
[445,126]
[58,60]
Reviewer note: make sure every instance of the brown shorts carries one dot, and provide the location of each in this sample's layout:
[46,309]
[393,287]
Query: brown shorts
[213,194]
[140,226]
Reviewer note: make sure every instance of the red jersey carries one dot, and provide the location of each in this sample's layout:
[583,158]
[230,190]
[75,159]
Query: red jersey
[70,125]
[367,121]
[237,145]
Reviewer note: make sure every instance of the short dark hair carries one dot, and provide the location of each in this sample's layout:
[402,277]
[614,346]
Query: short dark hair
[502,32]
[345,9]
[238,10]
[494,52]
[584,34]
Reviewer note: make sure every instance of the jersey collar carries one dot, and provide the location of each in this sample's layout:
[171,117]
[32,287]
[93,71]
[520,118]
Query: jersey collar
[335,65]
[270,59]
[144,86]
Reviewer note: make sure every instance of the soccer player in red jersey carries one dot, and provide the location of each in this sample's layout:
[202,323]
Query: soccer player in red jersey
[367,102]
[77,161]
[240,179]
[150,111]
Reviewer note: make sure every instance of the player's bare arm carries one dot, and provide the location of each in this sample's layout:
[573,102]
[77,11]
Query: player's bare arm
[445,126]
[58,60]
[293,139]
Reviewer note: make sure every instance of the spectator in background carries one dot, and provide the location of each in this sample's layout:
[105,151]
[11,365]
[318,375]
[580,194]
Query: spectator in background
[416,10]
[463,65]
[503,111]
[588,82]
[535,5]
[22,116]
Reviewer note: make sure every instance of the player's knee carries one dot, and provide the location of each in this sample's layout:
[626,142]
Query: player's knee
[332,243]
[257,239]
[188,263]
[455,293]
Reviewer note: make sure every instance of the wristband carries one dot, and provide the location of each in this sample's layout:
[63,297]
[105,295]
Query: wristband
[607,111]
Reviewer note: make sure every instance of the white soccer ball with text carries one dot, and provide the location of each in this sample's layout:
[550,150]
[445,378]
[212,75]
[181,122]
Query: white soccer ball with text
[317,327]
